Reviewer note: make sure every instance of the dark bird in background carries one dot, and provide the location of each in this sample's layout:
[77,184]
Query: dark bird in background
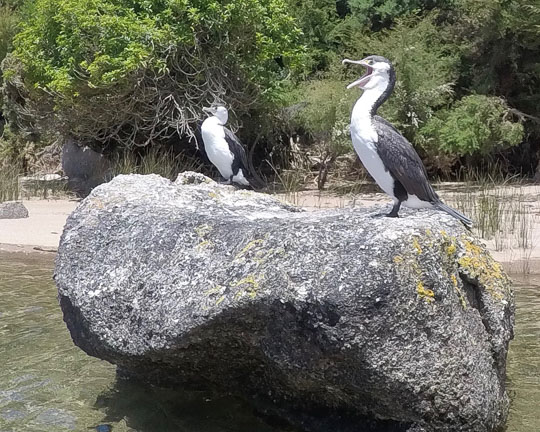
[225,150]
[389,158]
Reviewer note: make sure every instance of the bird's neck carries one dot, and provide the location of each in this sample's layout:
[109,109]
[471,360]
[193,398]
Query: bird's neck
[370,101]
[367,105]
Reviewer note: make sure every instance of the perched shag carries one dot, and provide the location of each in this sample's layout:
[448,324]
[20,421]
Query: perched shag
[224,149]
[387,155]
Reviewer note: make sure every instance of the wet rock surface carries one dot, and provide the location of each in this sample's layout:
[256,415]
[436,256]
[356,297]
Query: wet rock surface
[339,319]
[13,210]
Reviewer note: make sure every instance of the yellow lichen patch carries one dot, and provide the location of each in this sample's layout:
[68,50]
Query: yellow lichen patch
[461,296]
[417,246]
[206,244]
[248,285]
[213,195]
[423,292]
[472,248]
[219,300]
[478,264]
[398,259]
[248,247]
[451,249]
[96,203]
[203,230]
[214,290]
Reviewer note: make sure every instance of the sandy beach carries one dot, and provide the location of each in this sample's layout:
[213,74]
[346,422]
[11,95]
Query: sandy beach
[41,231]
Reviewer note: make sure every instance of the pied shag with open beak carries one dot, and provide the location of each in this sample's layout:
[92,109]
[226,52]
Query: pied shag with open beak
[389,158]
[223,148]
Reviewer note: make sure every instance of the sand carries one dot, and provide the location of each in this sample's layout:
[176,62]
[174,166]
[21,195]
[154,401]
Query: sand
[40,233]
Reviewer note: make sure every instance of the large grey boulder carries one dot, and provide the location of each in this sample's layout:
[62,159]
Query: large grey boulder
[336,320]
[13,210]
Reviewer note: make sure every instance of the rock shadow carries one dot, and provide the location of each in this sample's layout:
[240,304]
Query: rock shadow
[147,408]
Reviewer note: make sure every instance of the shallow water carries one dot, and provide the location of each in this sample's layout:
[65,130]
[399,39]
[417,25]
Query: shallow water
[48,384]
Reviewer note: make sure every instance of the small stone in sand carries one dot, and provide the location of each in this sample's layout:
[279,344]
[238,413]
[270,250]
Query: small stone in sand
[13,210]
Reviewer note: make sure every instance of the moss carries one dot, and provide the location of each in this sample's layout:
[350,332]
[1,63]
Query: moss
[424,293]
[477,264]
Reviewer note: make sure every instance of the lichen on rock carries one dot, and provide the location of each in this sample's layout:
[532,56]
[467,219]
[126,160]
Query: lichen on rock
[395,324]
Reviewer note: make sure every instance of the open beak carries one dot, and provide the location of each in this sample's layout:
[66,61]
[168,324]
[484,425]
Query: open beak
[363,80]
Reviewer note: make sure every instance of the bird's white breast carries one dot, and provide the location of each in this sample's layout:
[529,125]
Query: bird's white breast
[216,146]
[364,138]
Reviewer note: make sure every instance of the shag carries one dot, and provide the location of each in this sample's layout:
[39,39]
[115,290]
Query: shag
[224,149]
[389,158]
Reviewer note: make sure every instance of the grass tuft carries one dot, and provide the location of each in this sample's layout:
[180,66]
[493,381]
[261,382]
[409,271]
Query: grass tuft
[9,183]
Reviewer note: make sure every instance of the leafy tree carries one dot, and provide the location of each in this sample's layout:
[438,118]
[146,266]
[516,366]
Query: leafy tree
[317,19]
[381,13]
[8,27]
[136,72]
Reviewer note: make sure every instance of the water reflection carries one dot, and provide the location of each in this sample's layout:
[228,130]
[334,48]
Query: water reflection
[48,384]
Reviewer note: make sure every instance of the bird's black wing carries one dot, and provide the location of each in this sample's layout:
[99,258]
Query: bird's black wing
[402,161]
[238,151]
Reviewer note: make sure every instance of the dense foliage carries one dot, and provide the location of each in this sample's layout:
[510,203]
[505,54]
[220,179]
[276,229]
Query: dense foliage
[126,73]
[136,72]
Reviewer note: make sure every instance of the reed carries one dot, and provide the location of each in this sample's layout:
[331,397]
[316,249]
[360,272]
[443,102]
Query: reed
[503,212]
[9,183]
[161,162]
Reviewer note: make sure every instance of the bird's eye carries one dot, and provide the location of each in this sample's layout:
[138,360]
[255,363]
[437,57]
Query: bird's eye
[370,62]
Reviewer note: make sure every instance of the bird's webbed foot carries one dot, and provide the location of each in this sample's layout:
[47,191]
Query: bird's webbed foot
[395,210]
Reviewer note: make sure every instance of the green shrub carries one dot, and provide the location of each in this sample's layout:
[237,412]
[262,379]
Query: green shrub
[325,114]
[476,124]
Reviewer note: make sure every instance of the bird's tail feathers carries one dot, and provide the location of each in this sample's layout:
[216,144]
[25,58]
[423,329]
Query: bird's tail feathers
[464,219]
[256,181]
